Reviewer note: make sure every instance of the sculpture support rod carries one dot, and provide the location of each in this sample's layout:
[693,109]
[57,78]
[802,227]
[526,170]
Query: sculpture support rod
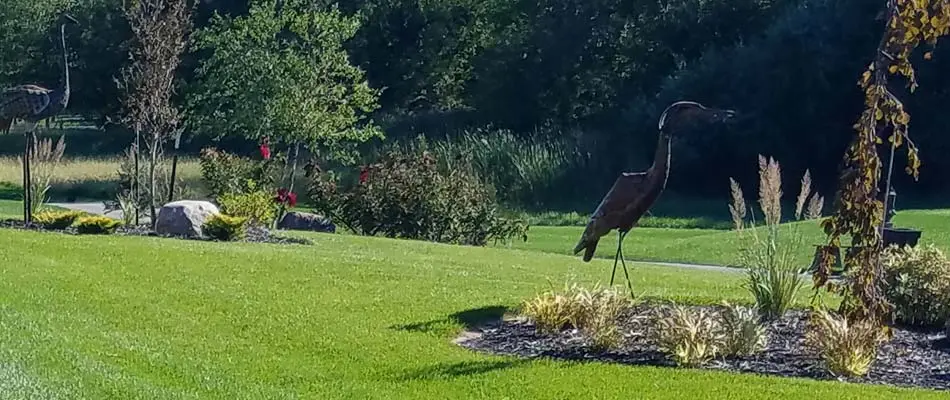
[27,189]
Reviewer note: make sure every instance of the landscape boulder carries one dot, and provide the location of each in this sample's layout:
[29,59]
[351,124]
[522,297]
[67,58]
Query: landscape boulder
[301,221]
[184,217]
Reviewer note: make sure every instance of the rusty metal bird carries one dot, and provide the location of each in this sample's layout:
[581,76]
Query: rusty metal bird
[633,193]
[32,104]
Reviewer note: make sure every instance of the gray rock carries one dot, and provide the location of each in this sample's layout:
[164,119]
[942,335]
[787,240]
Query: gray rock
[301,221]
[184,217]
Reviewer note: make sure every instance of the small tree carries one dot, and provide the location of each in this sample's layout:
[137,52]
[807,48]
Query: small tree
[160,29]
[282,72]
[859,212]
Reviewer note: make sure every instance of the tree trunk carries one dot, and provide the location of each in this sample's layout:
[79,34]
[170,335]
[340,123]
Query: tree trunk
[136,198]
[293,168]
[151,181]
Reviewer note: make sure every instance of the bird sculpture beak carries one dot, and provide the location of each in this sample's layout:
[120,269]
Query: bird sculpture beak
[727,115]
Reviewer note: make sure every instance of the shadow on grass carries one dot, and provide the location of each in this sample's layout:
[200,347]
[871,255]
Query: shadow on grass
[461,369]
[468,318]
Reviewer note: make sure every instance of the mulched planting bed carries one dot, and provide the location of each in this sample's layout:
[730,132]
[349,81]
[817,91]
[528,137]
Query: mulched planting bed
[254,234]
[909,359]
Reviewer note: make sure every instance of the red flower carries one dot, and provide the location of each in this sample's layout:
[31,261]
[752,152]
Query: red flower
[364,173]
[265,148]
[286,197]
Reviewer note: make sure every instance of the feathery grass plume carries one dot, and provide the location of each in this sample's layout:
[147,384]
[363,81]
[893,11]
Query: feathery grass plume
[737,208]
[770,190]
[772,277]
[45,157]
[814,207]
[803,195]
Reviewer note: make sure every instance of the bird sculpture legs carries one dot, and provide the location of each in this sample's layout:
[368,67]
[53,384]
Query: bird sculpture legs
[27,187]
[619,257]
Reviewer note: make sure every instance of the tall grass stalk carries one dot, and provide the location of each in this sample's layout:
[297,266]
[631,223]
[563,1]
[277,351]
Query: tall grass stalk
[773,277]
[45,158]
[527,170]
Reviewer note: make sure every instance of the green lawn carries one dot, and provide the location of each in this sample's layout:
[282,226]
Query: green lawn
[718,247]
[348,318]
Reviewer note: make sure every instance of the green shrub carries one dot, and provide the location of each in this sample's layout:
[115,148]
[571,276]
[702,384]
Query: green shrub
[918,284]
[57,220]
[225,228]
[847,349]
[257,206]
[226,173]
[96,224]
[691,337]
[744,333]
[408,196]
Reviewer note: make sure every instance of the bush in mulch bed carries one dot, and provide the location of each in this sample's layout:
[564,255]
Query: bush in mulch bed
[255,234]
[910,358]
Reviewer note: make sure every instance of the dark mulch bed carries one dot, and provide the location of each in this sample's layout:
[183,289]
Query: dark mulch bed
[254,234]
[910,358]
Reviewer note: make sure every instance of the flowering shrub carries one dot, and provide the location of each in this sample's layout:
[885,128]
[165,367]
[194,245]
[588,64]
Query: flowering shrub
[407,196]
[224,172]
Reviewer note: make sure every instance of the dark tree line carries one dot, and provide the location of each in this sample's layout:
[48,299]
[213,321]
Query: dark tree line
[602,70]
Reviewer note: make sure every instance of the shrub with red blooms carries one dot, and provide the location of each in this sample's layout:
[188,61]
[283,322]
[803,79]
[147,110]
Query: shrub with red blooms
[225,172]
[286,198]
[407,196]
[265,148]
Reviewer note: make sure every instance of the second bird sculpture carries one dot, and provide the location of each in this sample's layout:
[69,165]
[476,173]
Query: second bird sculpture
[633,193]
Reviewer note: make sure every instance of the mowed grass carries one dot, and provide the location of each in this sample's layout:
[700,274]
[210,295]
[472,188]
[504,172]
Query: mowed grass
[716,247]
[349,318]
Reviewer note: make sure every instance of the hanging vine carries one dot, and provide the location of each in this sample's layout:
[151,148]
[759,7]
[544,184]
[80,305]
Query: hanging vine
[858,210]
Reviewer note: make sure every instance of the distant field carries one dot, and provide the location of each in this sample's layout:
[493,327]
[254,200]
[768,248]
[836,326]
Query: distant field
[91,178]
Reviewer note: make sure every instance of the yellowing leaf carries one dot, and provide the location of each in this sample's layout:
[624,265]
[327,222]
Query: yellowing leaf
[892,69]
[879,115]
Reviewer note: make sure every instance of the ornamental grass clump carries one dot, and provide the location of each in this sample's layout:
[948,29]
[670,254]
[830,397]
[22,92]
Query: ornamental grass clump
[594,312]
[846,348]
[689,336]
[773,277]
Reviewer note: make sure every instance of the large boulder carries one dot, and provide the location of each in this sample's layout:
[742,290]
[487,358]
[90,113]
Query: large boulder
[301,221]
[184,217]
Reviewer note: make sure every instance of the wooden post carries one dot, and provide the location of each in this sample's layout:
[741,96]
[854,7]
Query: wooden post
[171,185]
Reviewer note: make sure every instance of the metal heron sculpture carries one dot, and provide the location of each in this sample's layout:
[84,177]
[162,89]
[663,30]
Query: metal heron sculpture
[633,193]
[32,104]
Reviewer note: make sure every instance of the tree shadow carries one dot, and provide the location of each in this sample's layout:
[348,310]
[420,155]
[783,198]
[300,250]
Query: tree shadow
[468,318]
[461,369]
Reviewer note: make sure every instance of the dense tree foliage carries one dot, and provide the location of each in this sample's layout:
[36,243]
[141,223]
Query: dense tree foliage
[594,74]
[281,72]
